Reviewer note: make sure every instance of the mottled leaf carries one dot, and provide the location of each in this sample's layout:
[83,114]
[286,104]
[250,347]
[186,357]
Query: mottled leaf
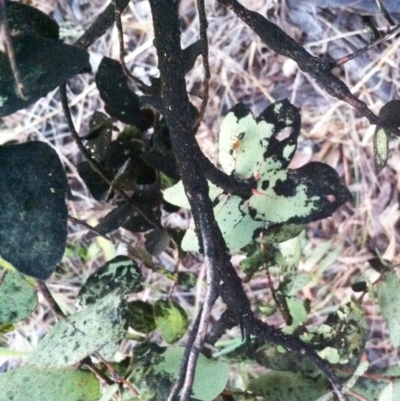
[288,386]
[103,323]
[30,383]
[142,317]
[119,274]
[18,299]
[171,319]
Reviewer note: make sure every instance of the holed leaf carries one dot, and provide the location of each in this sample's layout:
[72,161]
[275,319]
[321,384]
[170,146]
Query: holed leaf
[17,298]
[33,213]
[30,383]
[250,148]
[43,65]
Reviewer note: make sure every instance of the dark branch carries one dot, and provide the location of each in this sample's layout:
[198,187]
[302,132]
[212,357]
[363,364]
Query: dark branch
[191,169]
[278,41]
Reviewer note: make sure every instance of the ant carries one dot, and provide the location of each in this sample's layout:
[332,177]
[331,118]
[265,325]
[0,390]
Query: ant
[236,144]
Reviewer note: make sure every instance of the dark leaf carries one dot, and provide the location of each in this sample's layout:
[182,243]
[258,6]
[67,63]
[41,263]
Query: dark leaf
[142,317]
[186,280]
[43,64]
[99,136]
[120,101]
[24,19]
[161,162]
[33,213]
[97,186]
[157,241]
[190,54]
[359,286]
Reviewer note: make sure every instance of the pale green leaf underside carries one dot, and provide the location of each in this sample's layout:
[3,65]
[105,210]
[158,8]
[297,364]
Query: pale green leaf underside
[31,383]
[17,298]
[389,302]
[249,149]
[211,375]
[101,324]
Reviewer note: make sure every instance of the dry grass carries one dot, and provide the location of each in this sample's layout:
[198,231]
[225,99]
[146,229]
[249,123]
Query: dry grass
[243,69]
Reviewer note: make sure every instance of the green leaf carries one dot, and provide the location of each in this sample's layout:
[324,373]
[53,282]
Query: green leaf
[288,386]
[33,213]
[17,298]
[43,64]
[171,319]
[142,317]
[389,302]
[30,383]
[381,148]
[210,378]
[83,333]
[119,274]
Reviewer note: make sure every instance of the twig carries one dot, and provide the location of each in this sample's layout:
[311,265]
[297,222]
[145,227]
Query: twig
[50,299]
[93,163]
[100,25]
[117,15]
[204,52]
[364,49]
[209,300]
[91,228]
[7,40]
[176,388]
[385,14]
[3,275]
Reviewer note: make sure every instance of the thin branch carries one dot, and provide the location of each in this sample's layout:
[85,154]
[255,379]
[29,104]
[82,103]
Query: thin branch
[8,44]
[209,300]
[93,163]
[117,15]
[91,228]
[364,49]
[176,388]
[204,52]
